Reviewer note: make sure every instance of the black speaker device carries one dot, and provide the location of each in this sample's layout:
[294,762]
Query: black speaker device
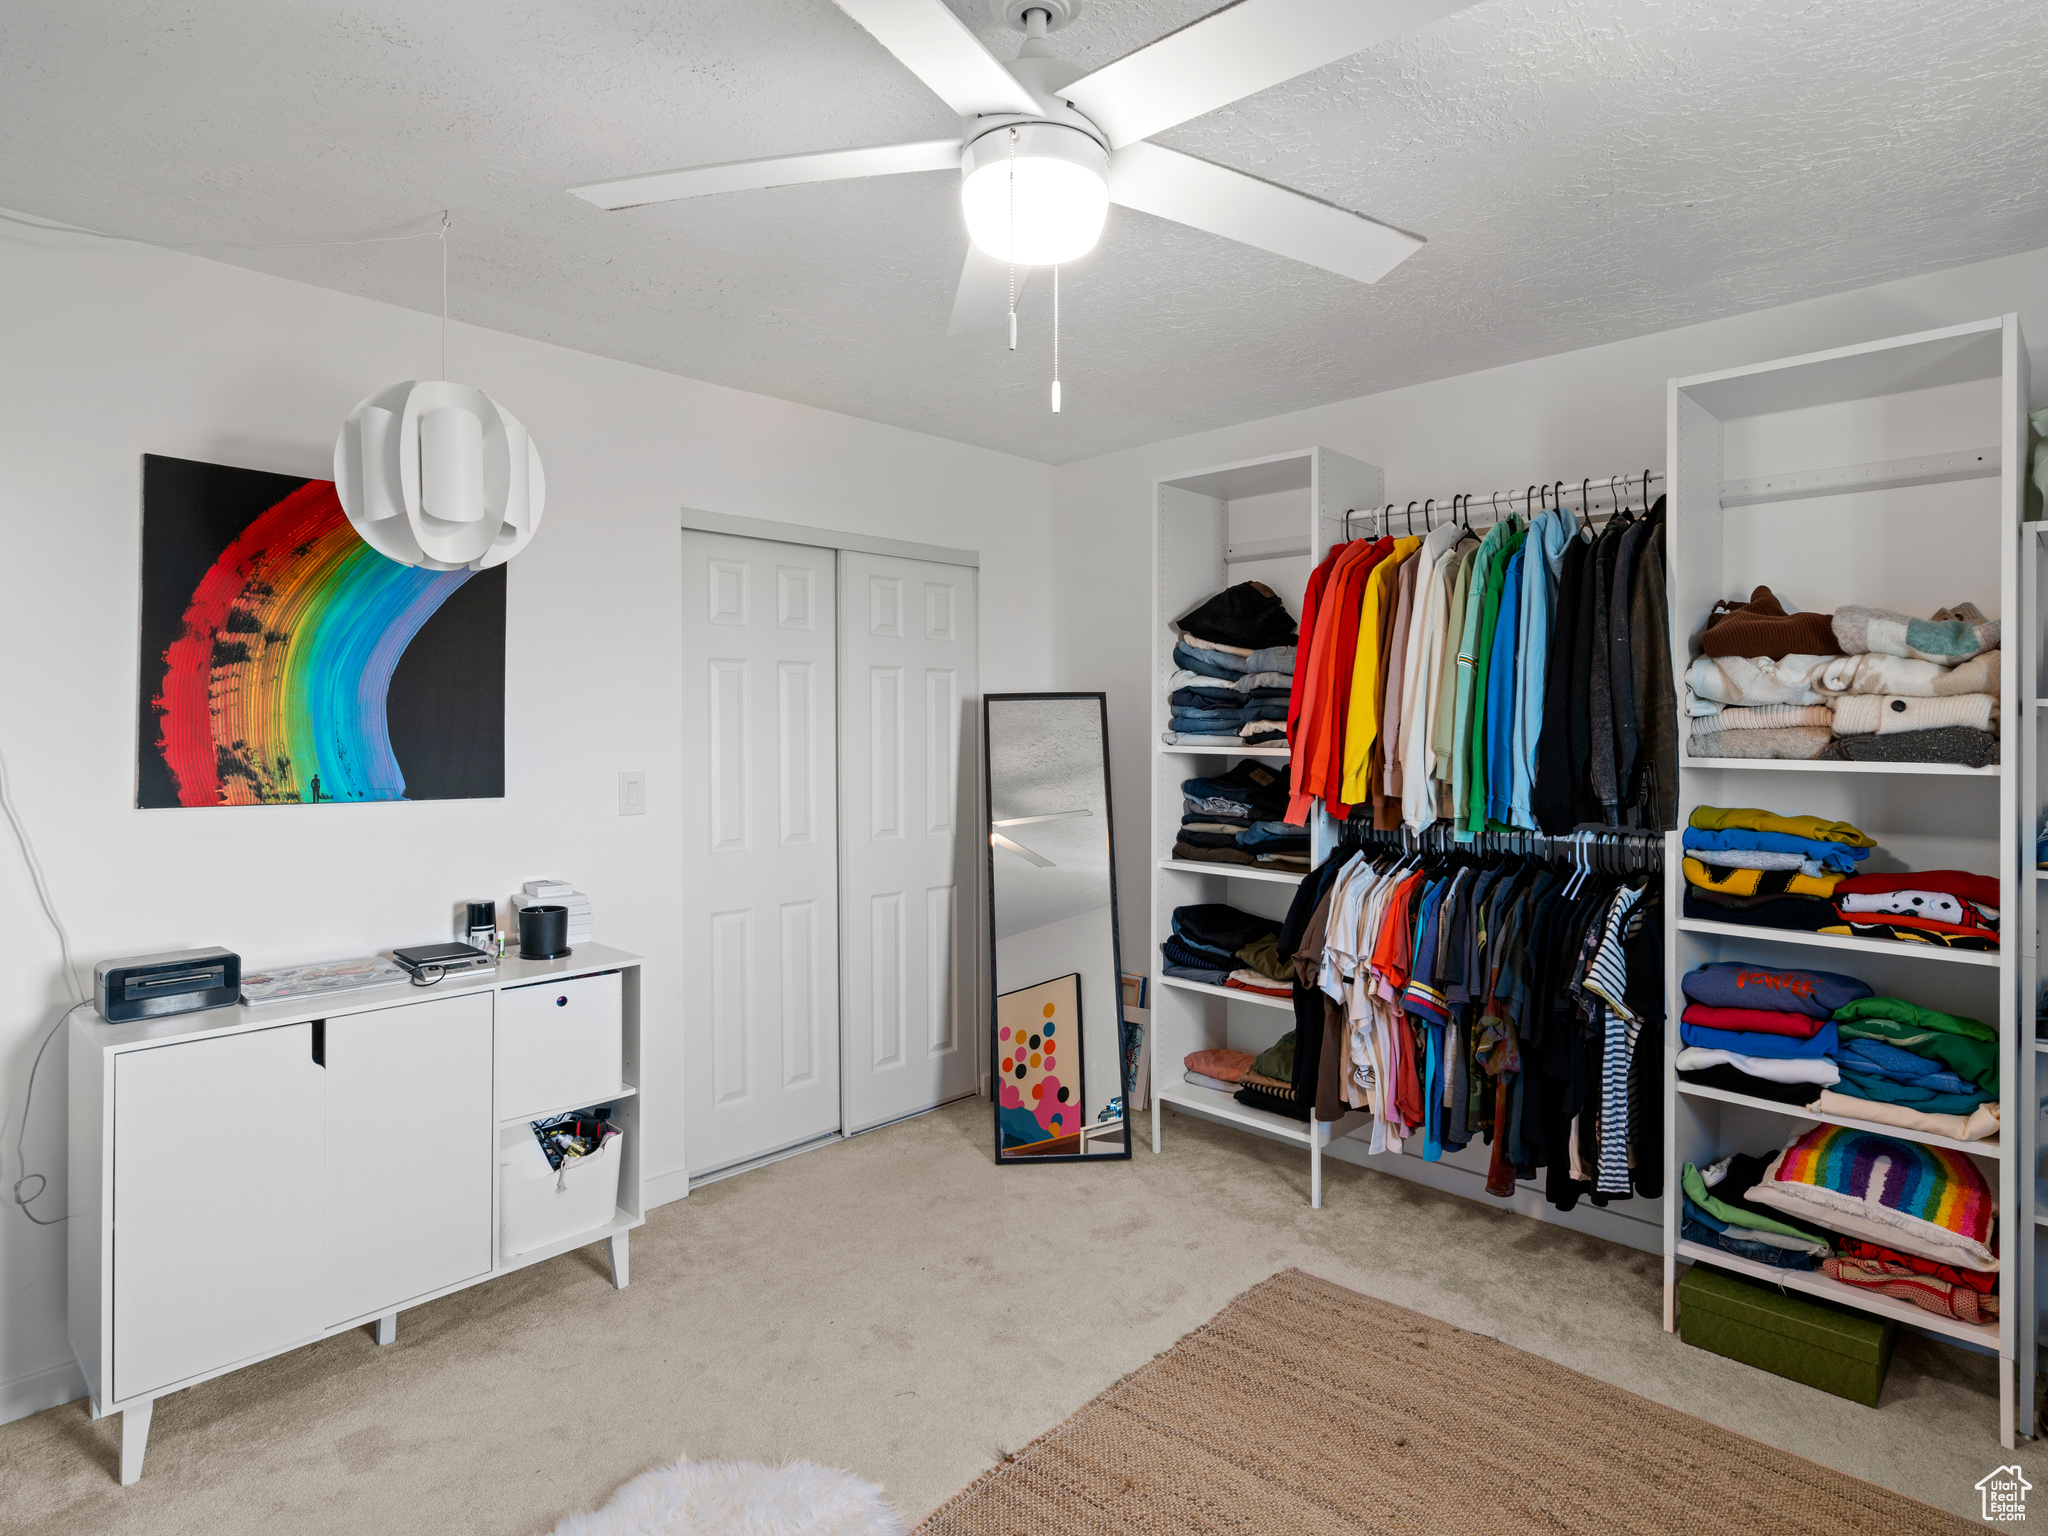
[543,933]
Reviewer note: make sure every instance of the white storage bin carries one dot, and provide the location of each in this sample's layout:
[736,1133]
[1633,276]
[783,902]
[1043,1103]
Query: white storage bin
[538,1205]
[560,1045]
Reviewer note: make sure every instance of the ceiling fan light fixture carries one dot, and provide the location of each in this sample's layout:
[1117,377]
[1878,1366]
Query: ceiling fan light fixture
[1062,194]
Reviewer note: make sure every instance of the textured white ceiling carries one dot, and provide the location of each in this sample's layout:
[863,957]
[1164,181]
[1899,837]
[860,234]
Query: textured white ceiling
[1583,169]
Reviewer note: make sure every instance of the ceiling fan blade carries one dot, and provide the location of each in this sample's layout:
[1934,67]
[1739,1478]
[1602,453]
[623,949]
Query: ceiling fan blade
[1022,852]
[982,301]
[1161,181]
[1229,55]
[936,46]
[776,171]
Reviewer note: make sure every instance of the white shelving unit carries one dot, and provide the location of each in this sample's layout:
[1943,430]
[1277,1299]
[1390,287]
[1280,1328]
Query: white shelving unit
[1269,520]
[1887,475]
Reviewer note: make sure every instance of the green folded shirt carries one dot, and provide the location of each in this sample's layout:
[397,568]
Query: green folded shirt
[1966,1047]
[1263,955]
[1696,1190]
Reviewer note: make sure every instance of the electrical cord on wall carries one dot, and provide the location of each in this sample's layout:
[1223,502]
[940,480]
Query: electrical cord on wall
[23,1196]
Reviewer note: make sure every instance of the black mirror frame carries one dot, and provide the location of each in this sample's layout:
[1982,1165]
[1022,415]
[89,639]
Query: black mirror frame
[1115,935]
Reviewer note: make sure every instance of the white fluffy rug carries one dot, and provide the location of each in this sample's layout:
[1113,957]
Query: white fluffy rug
[740,1498]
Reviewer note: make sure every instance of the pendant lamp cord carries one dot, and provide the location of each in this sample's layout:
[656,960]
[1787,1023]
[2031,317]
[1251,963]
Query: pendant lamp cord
[1055,340]
[444,294]
[1013,239]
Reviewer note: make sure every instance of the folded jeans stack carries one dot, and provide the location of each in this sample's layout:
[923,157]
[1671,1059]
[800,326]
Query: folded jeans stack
[1234,670]
[1234,818]
[1860,685]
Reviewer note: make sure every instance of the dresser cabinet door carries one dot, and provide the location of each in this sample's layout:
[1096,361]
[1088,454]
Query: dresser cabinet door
[408,1154]
[218,1163]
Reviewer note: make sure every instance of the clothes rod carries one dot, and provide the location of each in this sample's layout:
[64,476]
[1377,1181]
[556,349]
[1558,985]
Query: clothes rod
[1484,510]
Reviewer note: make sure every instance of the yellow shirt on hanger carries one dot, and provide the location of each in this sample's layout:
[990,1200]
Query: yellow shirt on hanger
[1362,720]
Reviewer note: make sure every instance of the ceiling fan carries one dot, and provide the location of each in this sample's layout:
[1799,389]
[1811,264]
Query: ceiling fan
[1044,148]
[1010,846]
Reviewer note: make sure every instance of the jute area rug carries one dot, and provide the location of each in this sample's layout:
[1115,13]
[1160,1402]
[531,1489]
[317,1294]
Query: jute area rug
[1305,1408]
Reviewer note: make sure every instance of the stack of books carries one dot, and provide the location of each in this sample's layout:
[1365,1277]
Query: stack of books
[558,893]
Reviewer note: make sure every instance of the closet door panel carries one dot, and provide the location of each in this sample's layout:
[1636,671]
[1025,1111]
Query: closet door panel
[217,1233]
[410,1138]
[909,865]
[760,851]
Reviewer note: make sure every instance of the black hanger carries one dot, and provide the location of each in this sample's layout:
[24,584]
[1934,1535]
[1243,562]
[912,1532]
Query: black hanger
[1409,527]
[1427,527]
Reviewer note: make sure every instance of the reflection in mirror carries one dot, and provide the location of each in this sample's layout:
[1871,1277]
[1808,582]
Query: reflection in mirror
[1058,1050]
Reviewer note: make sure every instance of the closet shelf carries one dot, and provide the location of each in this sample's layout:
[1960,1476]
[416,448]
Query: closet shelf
[1166,751]
[623,1091]
[1991,1148]
[1836,941]
[1816,1284]
[1215,1102]
[1788,765]
[1231,871]
[1232,994]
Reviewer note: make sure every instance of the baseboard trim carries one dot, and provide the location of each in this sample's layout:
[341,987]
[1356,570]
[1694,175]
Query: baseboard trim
[664,1188]
[24,1395]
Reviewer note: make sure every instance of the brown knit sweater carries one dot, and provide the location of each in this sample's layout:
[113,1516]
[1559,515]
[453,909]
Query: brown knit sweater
[1762,627]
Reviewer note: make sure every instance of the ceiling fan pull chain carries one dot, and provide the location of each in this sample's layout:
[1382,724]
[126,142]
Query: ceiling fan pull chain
[1013,239]
[1055,341]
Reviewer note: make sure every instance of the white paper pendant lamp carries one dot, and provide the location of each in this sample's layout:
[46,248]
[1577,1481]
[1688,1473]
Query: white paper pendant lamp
[439,475]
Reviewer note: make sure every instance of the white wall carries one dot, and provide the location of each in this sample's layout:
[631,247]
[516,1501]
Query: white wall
[1592,412]
[1082,942]
[117,350]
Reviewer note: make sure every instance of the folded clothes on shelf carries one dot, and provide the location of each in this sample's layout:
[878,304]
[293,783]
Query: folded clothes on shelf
[1878,714]
[1761,627]
[1799,914]
[1792,744]
[1739,984]
[1245,617]
[1955,744]
[1953,635]
[1726,880]
[1916,1198]
[1728,1079]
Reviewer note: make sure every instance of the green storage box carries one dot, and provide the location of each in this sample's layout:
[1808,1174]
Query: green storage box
[1798,1337]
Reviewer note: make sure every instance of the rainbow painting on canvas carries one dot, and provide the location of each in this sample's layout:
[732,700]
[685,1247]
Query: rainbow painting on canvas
[285,662]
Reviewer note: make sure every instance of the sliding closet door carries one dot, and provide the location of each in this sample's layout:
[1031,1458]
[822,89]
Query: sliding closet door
[909,860]
[760,849]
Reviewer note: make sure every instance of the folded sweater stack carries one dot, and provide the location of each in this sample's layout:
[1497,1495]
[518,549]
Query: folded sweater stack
[1234,670]
[1764,870]
[1223,947]
[1237,818]
[1823,1042]
[1860,684]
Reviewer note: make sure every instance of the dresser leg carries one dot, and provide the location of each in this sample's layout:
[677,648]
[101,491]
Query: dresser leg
[134,1437]
[617,1247]
[387,1328]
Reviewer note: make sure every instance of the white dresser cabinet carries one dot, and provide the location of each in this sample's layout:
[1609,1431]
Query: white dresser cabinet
[409,1148]
[218,1161]
[247,1180]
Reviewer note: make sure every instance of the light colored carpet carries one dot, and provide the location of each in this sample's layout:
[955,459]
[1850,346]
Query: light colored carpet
[740,1498]
[899,1306]
[1308,1408]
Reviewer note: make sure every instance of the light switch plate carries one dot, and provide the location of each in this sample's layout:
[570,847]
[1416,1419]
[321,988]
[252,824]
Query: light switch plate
[632,794]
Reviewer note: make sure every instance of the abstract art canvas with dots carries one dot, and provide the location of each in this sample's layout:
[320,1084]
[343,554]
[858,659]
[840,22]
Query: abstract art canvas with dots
[1038,1059]
[285,662]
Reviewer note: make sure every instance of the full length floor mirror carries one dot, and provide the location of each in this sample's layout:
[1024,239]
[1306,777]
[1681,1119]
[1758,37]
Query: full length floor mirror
[1058,1053]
